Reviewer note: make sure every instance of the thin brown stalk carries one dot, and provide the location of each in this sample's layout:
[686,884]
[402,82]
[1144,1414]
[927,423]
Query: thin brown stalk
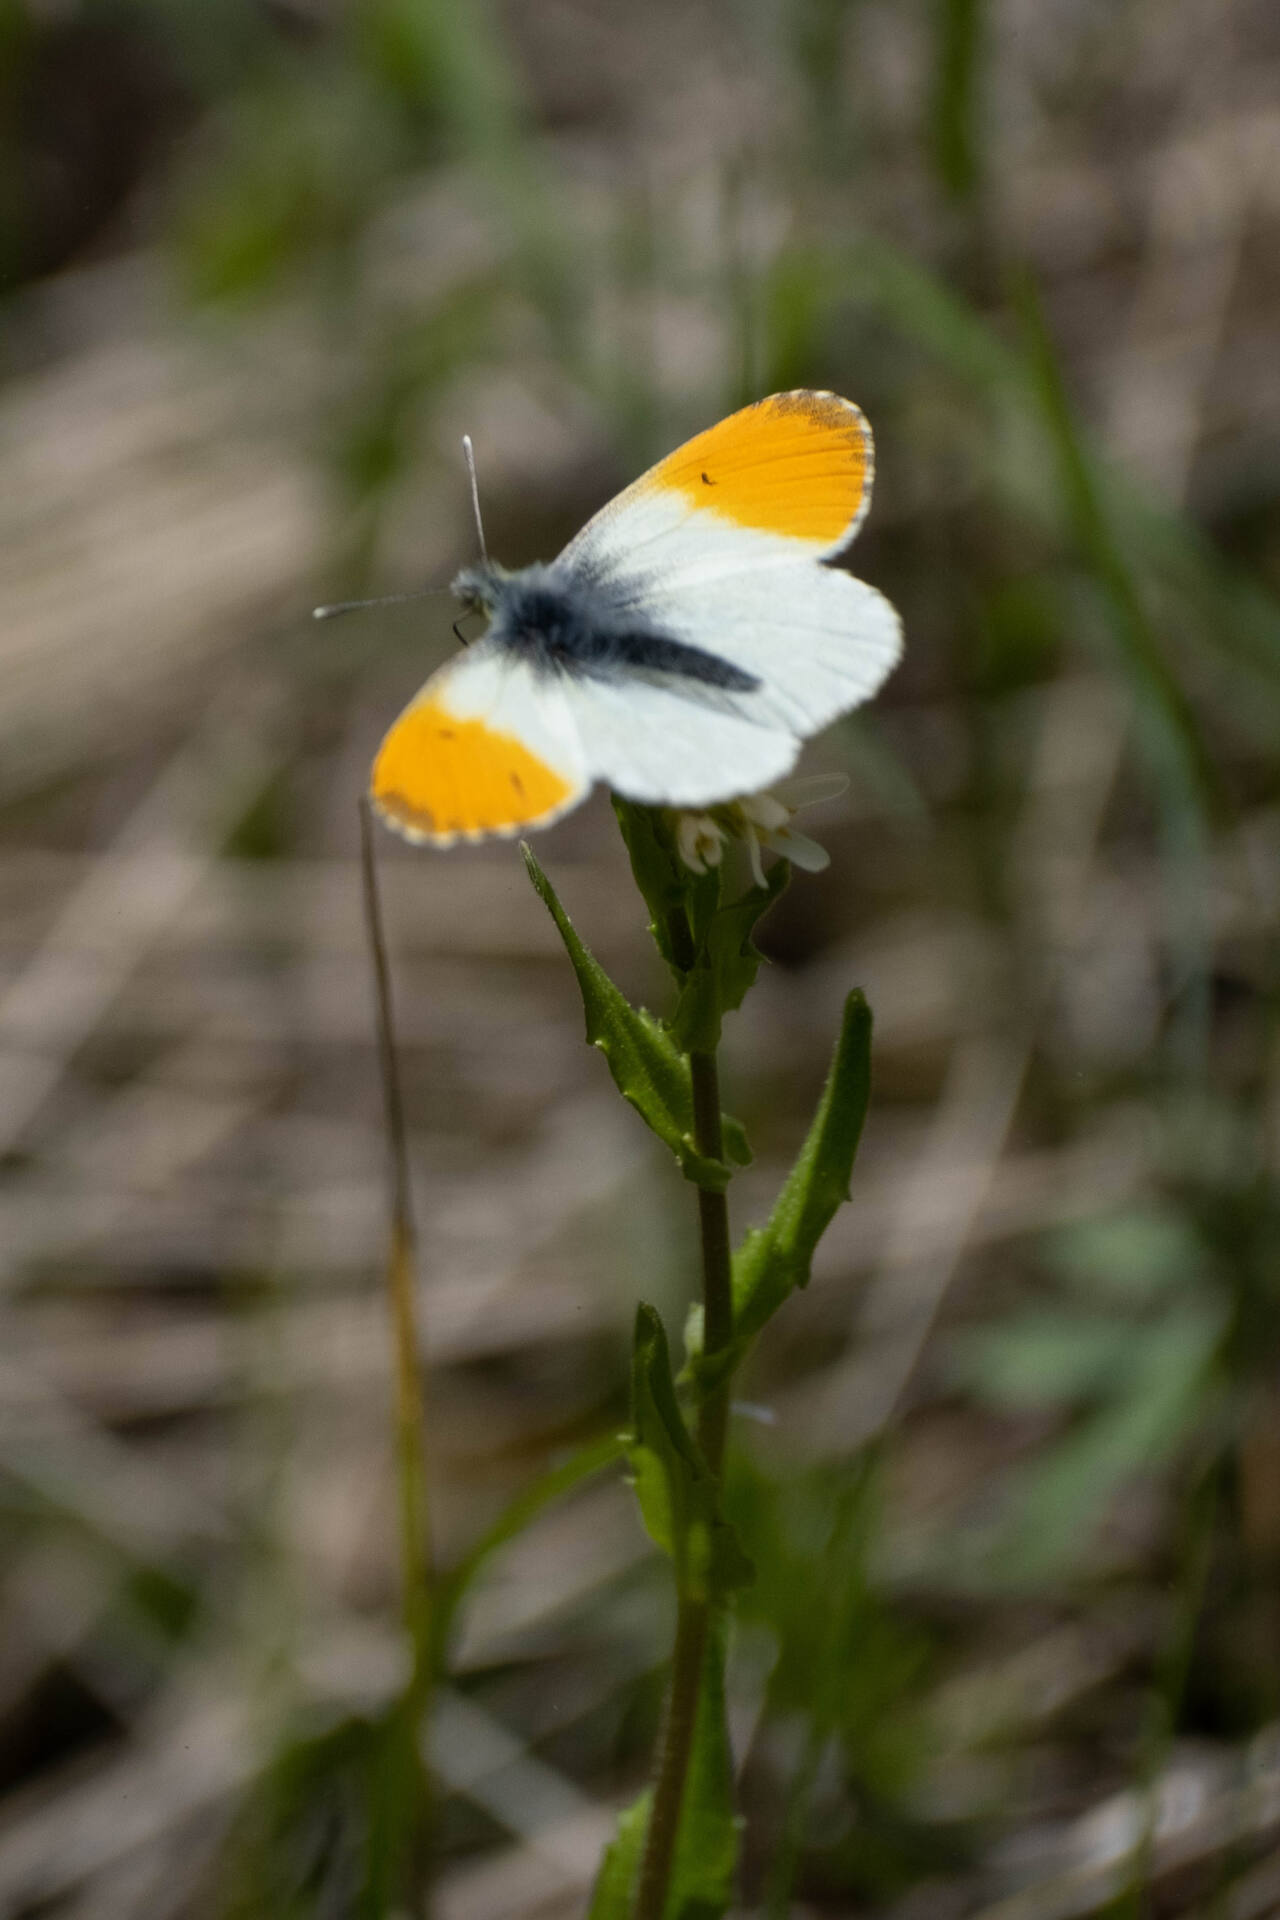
[410,1399]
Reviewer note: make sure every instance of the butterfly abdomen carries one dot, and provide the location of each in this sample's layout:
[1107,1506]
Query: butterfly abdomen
[583,628]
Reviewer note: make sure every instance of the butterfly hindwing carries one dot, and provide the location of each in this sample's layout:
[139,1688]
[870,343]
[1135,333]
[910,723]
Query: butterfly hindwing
[817,640]
[487,747]
[678,743]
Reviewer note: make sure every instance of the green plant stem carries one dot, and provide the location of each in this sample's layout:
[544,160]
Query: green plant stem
[717,1281]
[693,1621]
[410,1399]
[693,1617]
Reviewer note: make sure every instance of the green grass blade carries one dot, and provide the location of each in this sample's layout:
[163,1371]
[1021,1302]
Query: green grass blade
[953,132]
[1180,768]
[1158,693]
[532,1500]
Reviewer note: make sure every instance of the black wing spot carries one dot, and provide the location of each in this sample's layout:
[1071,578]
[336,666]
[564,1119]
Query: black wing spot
[445,733]
[518,784]
[707,481]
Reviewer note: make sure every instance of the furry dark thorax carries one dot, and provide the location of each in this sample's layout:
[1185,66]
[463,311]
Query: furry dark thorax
[567,622]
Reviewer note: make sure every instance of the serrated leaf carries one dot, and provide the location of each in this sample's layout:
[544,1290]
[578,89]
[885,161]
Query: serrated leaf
[726,961]
[706,1852]
[678,1495]
[613,1897]
[648,1068]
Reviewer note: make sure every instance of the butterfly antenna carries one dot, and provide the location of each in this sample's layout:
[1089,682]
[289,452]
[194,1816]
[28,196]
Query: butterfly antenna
[383,600]
[469,455]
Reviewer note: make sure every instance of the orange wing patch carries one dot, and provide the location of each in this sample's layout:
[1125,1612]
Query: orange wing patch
[437,777]
[796,463]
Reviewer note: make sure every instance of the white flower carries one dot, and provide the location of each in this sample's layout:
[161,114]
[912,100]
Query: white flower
[761,820]
[699,840]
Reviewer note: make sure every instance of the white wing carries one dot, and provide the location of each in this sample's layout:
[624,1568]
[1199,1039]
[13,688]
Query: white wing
[818,641]
[675,742]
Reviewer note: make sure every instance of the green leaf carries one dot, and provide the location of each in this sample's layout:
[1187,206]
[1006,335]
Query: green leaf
[776,1258]
[648,1068]
[678,1496]
[725,963]
[706,1853]
[673,893]
[707,946]
[614,1895]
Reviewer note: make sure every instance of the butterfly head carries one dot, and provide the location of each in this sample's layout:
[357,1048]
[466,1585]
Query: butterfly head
[480,587]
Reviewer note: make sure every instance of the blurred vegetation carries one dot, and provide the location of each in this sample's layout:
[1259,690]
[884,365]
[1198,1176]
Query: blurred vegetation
[612,229]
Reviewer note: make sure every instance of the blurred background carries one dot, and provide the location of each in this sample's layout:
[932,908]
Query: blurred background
[1011,1472]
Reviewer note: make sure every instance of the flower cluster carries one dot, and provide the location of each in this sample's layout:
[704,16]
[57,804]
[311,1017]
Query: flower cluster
[760,820]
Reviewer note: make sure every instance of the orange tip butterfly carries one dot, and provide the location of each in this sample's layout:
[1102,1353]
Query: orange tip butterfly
[681,649]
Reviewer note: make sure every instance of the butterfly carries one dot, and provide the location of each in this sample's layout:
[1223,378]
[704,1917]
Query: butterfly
[680,649]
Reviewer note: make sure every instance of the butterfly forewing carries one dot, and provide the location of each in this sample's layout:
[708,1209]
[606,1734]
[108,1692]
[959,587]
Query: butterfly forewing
[790,474]
[724,544]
